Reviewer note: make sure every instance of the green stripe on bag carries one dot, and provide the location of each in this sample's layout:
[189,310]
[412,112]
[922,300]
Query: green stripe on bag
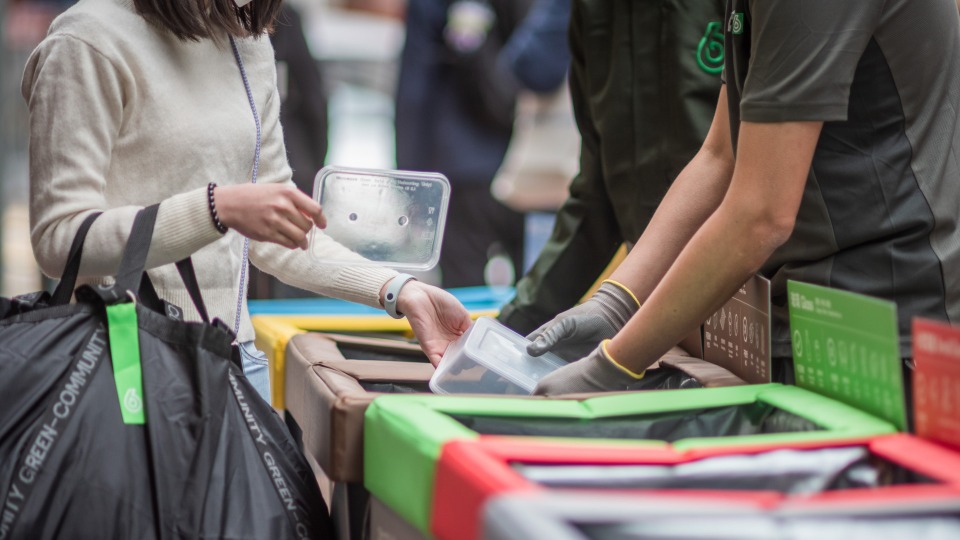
[125,352]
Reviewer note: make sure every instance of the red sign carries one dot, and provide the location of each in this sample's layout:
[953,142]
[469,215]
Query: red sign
[936,381]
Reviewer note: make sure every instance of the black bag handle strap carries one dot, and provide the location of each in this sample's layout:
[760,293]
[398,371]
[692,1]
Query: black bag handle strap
[131,275]
[189,277]
[134,258]
[64,290]
[147,295]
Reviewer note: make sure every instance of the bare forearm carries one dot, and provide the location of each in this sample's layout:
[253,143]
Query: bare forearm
[716,261]
[695,194]
[756,216]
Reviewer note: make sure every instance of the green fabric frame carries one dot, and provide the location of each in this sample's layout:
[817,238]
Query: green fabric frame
[403,434]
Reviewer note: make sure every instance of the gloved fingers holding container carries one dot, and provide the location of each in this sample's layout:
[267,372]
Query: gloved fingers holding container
[576,332]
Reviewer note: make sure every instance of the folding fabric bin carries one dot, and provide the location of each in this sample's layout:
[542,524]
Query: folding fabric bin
[328,390]
[330,380]
[403,435]
[273,333]
[894,469]
[579,516]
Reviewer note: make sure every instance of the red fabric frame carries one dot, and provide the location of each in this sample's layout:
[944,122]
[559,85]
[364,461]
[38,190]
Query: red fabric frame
[470,472]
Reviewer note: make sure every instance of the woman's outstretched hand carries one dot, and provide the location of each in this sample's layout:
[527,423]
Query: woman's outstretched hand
[276,213]
[436,316]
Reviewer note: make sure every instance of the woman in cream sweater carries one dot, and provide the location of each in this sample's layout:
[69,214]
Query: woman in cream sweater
[138,102]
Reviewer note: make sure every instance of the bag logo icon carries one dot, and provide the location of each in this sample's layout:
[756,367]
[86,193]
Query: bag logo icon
[132,401]
[735,26]
[710,49]
[174,312]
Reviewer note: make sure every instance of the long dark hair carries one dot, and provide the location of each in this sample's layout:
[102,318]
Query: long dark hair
[199,19]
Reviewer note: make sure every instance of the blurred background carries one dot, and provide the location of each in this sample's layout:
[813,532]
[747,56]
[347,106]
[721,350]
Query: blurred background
[339,65]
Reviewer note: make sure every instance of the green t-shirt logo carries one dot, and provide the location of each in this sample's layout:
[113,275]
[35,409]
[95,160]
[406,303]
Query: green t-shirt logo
[710,49]
[736,24]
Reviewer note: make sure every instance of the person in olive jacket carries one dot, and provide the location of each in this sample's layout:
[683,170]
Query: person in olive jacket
[644,79]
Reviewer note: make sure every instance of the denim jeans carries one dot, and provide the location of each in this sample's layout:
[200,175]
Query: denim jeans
[256,368]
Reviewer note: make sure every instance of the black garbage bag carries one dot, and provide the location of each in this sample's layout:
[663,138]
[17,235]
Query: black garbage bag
[210,459]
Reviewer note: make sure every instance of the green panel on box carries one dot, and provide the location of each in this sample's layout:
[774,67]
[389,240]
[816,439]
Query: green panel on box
[400,452]
[846,346]
[839,420]
[674,400]
[403,434]
[495,406]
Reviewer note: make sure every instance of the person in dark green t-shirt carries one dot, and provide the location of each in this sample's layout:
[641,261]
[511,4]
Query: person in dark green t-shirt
[644,79]
[833,158]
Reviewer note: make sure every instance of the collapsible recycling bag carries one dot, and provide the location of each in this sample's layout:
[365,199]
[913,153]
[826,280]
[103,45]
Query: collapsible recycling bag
[118,420]
[330,381]
[894,470]
[404,434]
[328,392]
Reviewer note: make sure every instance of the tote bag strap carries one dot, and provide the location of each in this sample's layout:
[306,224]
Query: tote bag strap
[189,277]
[64,290]
[130,276]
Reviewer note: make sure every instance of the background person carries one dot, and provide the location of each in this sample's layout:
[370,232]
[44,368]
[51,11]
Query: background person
[644,80]
[454,115]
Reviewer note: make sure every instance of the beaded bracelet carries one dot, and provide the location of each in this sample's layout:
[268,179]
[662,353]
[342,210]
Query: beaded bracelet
[221,228]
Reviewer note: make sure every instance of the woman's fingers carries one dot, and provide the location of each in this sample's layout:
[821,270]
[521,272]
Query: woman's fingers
[310,208]
[275,213]
[292,234]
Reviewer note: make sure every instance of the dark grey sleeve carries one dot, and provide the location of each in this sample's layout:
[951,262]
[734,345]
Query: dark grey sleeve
[803,54]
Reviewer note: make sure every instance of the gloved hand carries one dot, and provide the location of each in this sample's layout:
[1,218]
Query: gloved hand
[577,331]
[598,372]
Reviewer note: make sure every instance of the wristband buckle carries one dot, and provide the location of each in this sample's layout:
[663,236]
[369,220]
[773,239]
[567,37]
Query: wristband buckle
[392,293]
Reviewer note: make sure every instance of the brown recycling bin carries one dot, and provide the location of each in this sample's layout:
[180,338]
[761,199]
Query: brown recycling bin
[327,393]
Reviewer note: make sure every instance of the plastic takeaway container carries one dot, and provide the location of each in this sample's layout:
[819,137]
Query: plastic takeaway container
[382,217]
[491,359]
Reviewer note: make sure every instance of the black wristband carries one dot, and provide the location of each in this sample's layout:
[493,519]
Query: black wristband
[221,228]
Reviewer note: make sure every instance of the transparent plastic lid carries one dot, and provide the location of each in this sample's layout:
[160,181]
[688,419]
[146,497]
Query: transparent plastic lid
[389,218]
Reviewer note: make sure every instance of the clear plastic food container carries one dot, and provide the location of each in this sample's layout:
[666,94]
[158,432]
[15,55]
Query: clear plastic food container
[491,359]
[382,217]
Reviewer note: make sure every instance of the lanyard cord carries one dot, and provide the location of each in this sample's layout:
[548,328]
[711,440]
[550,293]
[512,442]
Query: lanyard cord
[242,292]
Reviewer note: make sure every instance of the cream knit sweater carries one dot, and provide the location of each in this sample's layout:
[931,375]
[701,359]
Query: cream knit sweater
[123,115]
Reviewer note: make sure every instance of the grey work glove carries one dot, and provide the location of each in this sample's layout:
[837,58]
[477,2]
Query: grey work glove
[572,334]
[595,373]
